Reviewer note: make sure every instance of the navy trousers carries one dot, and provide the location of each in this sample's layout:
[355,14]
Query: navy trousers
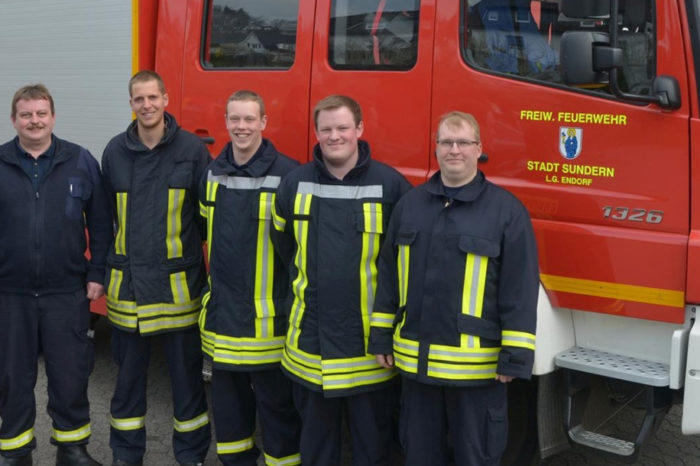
[60,323]
[191,430]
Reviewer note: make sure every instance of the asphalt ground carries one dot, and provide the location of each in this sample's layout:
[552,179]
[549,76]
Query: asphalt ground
[667,446]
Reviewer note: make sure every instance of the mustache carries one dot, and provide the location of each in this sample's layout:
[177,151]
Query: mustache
[35,126]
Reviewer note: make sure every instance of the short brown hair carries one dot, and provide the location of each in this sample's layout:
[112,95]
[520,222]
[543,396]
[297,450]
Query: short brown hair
[456,118]
[31,92]
[336,101]
[147,75]
[245,95]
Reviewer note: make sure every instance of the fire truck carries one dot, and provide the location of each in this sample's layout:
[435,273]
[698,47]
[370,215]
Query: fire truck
[588,113]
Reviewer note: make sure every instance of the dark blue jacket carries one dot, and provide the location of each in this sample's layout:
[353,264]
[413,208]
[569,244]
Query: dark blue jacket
[42,239]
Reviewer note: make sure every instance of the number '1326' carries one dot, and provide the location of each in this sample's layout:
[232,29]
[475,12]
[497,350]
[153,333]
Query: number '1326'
[633,215]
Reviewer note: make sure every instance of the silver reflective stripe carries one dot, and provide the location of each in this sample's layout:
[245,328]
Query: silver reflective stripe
[474,295]
[244,182]
[224,343]
[474,353]
[459,371]
[341,192]
[358,378]
[265,275]
[301,280]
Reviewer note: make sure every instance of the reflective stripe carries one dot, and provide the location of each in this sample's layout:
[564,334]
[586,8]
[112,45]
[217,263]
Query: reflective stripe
[17,442]
[290,460]
[302,206]
[153,317]
[461,371]
[179,287]
[381,319]
[368,260]
[519,339]
[229,350]
[72,435]
[191,424]
[245,182]
[115,283]
[176,199]
[330,191]
[120,237]
[264,269]
[473,293]
[203,208]
[130,423]
[405,351]
[402,263]
[227,448]
[455,355]
[279,222]
[212,189]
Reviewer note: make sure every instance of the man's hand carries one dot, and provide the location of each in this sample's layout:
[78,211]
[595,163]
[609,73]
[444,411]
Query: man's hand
[94,290]
[385,360]
[504,378]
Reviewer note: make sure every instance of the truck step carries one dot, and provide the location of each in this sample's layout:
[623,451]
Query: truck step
[614,366]
[615,446]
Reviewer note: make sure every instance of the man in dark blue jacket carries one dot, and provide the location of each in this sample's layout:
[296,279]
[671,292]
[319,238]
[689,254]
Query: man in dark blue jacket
[50,192]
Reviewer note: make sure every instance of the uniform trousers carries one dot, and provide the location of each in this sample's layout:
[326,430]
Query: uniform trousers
[369,417]
[235,397]
[476,418]
[60,324]
[191,430]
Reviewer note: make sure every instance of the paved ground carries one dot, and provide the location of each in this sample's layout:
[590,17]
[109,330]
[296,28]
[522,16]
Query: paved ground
[667,447]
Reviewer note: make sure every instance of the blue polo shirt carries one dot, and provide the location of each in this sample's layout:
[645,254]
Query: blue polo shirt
[37,168]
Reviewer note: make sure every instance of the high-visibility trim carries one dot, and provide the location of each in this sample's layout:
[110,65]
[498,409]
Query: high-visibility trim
[302,206]
[203,209]
[128,423]
[72,435]
[17,442]
[191,424]
[406,363]
[264,269]
[371,237]
[641,294]
[228,448]
[153,317]
[473,293]
[467,355]
[443,370]
[247,351]
[212,188]
[247,183]
[278,222]
[179,287]
[405,351]
[120,237]
[381,319]
[176,199]
[519,339]
[116,277]
[332,191]
[290,460]
[402,263]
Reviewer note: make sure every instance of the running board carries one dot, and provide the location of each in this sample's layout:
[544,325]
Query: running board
[588,361]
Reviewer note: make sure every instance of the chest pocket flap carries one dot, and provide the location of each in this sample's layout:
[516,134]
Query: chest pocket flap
[479,246]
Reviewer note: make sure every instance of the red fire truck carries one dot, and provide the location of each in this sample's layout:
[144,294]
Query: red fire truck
[588,109]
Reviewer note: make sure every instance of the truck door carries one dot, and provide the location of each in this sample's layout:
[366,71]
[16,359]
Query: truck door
[380,53]
[606,180]
[261,45]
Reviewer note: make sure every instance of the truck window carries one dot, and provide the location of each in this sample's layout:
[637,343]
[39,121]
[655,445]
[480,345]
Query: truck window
[521,38]
[373,34]
[249,34]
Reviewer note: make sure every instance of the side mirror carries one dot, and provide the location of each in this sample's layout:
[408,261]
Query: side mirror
[666,88]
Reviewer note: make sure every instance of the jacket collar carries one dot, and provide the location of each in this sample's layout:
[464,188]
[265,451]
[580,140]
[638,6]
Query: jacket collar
[8,154]
[256,167]
[363,160]
[466,193]
[133,143]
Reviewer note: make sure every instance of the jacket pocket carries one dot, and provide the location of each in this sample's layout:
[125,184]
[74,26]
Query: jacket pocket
[479,246]
[181,177]
[79,192]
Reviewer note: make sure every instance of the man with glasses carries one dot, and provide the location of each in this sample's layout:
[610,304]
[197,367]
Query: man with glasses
[456,302]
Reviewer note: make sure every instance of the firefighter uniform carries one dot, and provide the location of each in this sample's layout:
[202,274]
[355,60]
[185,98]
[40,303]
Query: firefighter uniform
[155,275]
[456,305]
[334,229]
[46,204]
[242,321]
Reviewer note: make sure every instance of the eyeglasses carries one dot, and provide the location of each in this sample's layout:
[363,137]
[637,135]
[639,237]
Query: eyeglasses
[461,143]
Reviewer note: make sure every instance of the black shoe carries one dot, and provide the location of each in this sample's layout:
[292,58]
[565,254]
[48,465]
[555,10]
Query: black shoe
[25,460]
[126,463]
[74,455]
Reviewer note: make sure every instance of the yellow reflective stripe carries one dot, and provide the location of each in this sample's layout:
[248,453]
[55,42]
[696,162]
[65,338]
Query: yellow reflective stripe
[17,442]
[406,363]
[120,238]
[167,323]
[176,199]
[128,423]
[203,209]
[344,365]
[304,365]
[227,448]
[641,294]
[191,424]
[230,350]
[402,263]
[212,188]
[519,339]
[72,435]
[461,371]
[121,320]
[179,287]
[368,261]
[290,460]
[454,354]
[115,283]
[278,222]
[153,317]
[264,269]
[382,319]
[404,345]
[302,206]
[359,379]
[473,293]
